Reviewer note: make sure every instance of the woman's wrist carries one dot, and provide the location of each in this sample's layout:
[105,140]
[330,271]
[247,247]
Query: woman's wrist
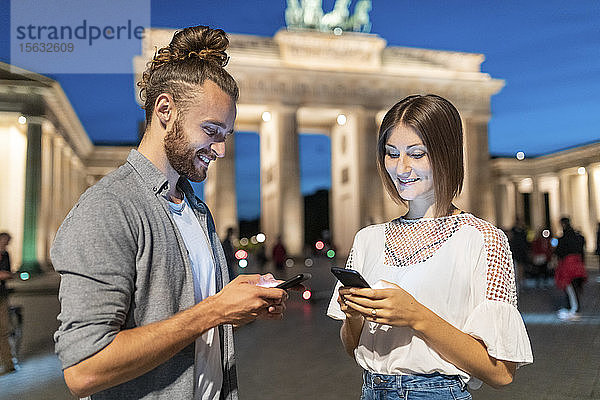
[421,318]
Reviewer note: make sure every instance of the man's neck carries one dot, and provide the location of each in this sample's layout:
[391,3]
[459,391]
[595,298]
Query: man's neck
[153,149]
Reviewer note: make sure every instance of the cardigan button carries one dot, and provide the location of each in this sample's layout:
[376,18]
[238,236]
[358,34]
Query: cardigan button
[377,380]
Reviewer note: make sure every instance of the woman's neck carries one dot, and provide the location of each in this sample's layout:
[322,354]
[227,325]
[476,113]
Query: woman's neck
[425,209]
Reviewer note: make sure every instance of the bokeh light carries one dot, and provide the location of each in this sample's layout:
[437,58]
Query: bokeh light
[241,254]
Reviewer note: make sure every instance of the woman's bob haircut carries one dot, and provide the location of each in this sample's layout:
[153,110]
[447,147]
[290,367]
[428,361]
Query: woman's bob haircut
[438,124]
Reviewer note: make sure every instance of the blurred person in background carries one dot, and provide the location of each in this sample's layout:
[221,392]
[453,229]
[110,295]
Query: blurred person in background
[5,274]
[570,272]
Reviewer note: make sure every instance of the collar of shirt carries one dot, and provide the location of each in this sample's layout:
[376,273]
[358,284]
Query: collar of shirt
[157,181]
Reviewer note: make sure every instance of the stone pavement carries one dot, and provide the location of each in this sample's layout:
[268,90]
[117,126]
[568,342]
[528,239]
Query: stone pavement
[301,357]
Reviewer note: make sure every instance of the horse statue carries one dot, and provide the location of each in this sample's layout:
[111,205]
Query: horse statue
[312,13]
[293,14]
[338,18]
[359,21]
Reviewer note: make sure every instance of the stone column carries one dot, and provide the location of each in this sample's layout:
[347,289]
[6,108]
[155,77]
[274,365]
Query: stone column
[504,203]
[477,192]
[220,191]
[592,194]
[58,183]
[537,206]
[45,217]
[66,194]
[518,203]
[33,181]
[282,205]
[564,184]
[356,190]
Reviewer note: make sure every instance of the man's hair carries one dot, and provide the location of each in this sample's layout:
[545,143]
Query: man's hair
[5,234]
[438,124]
[194,55]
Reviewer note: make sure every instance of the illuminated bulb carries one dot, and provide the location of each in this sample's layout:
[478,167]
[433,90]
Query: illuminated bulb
[24,276]
[306,294]
[330,253]
[546,233]
[22,120]
[319,245]
[341,119]
[581,170]
[260,238]
[520,155]
[337,31]
[266,116]
[243,263]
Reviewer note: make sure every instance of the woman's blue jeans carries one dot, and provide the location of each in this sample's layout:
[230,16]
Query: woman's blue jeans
[413,387]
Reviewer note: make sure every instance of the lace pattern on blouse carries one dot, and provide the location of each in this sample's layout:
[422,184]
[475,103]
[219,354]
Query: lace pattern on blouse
[409,242]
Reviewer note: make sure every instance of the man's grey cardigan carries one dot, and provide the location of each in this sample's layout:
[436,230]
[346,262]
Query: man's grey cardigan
[124,264]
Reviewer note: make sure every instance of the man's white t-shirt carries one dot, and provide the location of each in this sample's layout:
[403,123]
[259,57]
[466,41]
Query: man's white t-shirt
[208,371]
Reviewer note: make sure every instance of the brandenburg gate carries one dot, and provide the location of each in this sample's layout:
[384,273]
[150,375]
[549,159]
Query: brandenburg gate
[339,85]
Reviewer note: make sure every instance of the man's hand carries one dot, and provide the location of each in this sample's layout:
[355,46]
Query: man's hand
[242,301]
[5,275]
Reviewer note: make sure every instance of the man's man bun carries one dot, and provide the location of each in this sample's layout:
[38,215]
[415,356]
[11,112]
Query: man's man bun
[195,53]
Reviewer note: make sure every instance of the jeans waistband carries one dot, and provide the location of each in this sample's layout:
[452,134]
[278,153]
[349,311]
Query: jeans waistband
[435,380]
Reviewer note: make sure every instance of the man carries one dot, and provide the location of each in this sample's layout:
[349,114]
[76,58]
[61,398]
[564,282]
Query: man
[229,251]
[5,274]
[570,272]
[147,310]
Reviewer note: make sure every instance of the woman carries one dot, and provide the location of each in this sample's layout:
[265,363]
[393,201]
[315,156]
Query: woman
[442,313]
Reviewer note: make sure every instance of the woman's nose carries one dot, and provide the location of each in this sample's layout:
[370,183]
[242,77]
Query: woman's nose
[403,167]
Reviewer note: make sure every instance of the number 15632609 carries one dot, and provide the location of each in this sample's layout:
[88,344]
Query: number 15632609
[46,47]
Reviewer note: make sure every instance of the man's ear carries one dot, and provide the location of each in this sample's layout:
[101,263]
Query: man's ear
[164,110]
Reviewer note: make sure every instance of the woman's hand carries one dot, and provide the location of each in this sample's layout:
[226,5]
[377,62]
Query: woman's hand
[351,314]
[394,306]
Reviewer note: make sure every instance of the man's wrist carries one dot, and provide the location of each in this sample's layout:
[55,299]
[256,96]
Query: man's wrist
[208,314]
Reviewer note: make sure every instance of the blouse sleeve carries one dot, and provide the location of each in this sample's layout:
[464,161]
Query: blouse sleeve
[496,320]
[334,310]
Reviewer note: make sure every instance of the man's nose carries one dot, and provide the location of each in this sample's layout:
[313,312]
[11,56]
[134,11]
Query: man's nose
[218,148]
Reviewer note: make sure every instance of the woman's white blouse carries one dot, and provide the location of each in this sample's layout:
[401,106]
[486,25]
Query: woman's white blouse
[460,267]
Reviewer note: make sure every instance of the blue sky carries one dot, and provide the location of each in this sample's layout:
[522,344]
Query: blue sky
[547,51]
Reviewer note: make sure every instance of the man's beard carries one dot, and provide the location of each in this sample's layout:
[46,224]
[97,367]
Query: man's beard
[181,155]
